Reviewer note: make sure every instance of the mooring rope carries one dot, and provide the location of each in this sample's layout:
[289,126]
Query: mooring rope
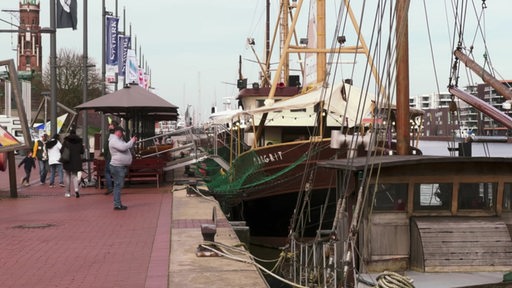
[389,279]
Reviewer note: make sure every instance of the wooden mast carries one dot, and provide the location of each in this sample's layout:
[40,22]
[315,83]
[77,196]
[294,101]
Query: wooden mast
[402,79]
[321,62]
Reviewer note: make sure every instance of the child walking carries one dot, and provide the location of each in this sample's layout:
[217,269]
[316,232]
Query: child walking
[28,163]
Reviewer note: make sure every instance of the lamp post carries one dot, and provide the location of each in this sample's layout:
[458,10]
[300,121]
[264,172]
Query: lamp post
[84,86]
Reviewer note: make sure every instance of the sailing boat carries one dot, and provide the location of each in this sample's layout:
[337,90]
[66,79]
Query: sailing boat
[272,147]
[406,212]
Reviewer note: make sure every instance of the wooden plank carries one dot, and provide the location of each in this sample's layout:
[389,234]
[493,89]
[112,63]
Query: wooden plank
[470,269]
[499,246]
[459,225]
[464,238]
[469,262]
[480,255]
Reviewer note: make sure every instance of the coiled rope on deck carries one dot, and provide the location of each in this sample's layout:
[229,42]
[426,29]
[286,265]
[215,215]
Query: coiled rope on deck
[389,279]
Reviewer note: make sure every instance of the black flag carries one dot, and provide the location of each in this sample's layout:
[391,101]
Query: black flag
[66,14]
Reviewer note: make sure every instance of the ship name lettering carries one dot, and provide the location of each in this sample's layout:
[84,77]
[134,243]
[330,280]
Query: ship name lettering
[271,157]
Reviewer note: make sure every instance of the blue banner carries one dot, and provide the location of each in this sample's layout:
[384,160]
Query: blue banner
[124,45]
[111,48]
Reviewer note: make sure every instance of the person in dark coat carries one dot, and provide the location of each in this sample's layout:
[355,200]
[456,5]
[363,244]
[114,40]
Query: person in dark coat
[28,163]
[73,167]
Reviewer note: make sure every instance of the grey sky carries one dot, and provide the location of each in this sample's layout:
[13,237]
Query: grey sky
[192,47]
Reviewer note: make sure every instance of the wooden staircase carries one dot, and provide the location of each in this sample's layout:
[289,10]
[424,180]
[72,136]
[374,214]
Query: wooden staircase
[460,244]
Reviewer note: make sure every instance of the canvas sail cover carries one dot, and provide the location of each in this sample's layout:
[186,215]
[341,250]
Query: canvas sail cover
[345,105]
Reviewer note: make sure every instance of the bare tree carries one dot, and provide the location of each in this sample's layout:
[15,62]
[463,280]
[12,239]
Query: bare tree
[70,78]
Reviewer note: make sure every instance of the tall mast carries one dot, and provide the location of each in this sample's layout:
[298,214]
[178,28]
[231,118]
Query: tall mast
[321,62]
[286,35]
[265,81]
[402,81]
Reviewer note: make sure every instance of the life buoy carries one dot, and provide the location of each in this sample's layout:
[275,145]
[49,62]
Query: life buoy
[3,161]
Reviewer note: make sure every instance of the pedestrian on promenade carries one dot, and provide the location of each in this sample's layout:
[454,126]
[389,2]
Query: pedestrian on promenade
[54,146]
[28,163]
[121,158]
[41,154]
[73,165]
[106,154]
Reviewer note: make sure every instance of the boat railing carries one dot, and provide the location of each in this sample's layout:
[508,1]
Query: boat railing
[182,141]
[318,258]
[225,137]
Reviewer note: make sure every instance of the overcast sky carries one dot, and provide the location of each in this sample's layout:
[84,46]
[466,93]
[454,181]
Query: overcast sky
[192,47]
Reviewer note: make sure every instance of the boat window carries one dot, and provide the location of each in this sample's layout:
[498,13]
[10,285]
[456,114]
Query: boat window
[432,196]
[507,197]
[390,196]
[477,195]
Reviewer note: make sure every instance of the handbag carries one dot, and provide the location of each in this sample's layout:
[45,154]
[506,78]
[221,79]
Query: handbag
[64,156]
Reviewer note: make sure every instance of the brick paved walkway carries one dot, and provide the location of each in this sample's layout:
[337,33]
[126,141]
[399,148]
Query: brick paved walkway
[48,240]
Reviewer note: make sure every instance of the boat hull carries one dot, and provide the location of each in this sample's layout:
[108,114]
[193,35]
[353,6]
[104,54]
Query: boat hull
[268,207]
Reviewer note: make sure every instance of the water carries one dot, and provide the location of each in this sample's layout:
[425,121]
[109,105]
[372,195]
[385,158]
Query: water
[440,148]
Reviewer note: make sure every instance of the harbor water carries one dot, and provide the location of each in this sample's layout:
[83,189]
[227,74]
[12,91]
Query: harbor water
[478,149]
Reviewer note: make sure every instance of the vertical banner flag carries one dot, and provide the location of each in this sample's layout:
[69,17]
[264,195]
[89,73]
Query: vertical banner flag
[147,79]
[111,48]
[141,77]
[132,69]
[124,45]
[66,14]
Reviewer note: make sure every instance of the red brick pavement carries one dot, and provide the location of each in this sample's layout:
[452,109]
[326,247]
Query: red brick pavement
[48,240]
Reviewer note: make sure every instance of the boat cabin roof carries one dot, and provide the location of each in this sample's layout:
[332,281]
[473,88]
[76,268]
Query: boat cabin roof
[264,91]
[422,163]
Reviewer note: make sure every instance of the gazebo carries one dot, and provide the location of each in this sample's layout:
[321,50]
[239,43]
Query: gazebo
[140,107]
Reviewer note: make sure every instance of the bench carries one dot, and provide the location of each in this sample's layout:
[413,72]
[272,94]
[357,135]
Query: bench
[146,169]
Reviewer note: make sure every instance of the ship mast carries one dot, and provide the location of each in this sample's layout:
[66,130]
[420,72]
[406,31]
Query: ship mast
[402,79]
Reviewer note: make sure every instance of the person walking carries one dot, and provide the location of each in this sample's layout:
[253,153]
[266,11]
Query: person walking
[41,154]
[73,165]
[106,156]
[28,163]
[54,146]
[121,158]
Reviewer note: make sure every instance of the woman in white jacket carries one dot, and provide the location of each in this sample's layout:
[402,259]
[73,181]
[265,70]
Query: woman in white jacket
[53,147]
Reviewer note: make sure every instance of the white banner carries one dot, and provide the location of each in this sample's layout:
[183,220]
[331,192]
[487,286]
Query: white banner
[132,69]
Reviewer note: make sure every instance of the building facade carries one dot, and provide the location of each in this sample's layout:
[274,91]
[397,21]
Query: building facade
[444,117]
[29,50]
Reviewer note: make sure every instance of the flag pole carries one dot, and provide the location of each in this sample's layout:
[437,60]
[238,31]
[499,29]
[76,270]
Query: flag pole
[104,124]
[124,31]
[53,69]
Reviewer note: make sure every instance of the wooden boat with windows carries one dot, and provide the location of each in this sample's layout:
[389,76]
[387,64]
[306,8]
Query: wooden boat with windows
[406,212]
[429,213]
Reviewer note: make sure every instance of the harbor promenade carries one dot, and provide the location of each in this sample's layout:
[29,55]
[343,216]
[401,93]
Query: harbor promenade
[51,241]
